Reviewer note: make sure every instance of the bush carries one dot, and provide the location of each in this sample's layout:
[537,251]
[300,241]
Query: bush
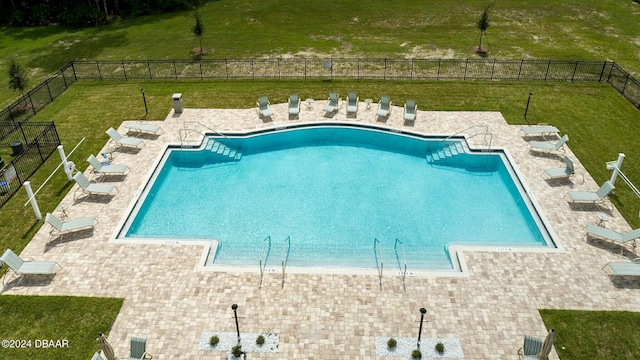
[260,340]
[237,351]
[416,354]
[392,343]
[213,341]
[440,347]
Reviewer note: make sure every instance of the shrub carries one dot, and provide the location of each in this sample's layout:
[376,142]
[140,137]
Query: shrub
[213,340]
[416,354]
[260,340]
[237,351]
[392,343]
[440,347]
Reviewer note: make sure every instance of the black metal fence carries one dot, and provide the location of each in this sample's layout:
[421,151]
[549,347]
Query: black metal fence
[627,85]
[35,142]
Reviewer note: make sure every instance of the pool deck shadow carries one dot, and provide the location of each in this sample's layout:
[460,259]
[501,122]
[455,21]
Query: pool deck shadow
[170,301]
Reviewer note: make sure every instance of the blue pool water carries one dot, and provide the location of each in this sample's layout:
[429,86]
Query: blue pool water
[332,191]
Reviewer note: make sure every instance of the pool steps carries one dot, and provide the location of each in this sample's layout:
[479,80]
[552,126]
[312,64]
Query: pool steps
[447,152]
[222,149]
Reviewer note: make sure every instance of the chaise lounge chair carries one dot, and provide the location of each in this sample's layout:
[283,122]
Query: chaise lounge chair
[96,356]
[89,188]
[562,172]
[531,348]
[139,349]
[24,268]
[624,268]
[294,105]
[548,146]
[539,130]
[140,127]
[101,169]
[352,103]
[410,110]
[384,106]
[61,228]
[123,140]
[591,197]
[264,107]
[332,103]
[613,236]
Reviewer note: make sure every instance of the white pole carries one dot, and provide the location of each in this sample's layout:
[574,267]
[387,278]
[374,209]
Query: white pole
[616,169]
[64,163]
[34,203]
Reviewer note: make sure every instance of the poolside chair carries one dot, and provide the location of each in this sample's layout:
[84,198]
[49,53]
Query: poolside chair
[562,172]
[264,107]
[97,356]
[123,140]
[332,103]
[294,105]
[23,268]
[530,349]
[624,268]
[89,188]
[106,169]
[352,103]
[410,110]
[139,349]
[384,106]
[548,146]
[591,197]
[539,130]
[613,236]
[61,228]
[140,127]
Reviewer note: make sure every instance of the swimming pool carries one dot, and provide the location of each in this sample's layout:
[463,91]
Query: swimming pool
[336,196]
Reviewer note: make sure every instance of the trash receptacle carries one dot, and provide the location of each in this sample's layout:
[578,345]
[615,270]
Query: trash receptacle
[16,147]
[177,102]
[4,186]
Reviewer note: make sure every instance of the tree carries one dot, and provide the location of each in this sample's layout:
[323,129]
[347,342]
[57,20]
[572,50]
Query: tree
[17,77]
[483,24]
[198,30]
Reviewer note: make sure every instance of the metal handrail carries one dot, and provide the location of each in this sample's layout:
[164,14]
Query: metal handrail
[262,257]
[404,259]
[486,130]
[184,125]
[378,255]
[490,135]
[285,258]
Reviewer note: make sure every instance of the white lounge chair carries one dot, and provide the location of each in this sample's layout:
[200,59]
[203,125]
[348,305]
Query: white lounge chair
[332,103]
[264,107]
[352,103]
[61,228]
[549,146]
[23,268]
[613,236]
[530,348]
[138,349]
[384,106]
[89,188]
[410,110]
[103,169]
[123,140]
[589,196]
[140,127]
[294,105]
[566,171]
[539,130]
[624,268]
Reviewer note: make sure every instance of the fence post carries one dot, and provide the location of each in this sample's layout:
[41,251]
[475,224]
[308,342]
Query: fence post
[73,67]
[492,69]
[98,66]
[31,101]
[411,71]
[149,68]
[11,114]
[305,68]
[200,63]
[253,74]
[226,68]
[604,64]
[46,83]
[124,70]
[574,71]
[175,70]
[520,70]
[438,73]
[547,72]
[64,79]
[466,65]
[626,81]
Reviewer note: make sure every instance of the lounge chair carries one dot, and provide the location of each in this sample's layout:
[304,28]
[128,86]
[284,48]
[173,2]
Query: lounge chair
[124,140]
[24,268]
[139,349]
[588,196]
[332,103]
[89,188]
[539,130]
[140,127]
[530,349]
[562,172]
[264,107]
[352,103]
[294,105]
[549,146]
[61,228]
[410,110]
[97,356]
[102,169]
[611,235]
[384,106]
[624,268]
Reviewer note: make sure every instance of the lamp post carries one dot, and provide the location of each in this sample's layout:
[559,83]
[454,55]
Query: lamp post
[422,312]
[527,108]
[234,307]
[144,98]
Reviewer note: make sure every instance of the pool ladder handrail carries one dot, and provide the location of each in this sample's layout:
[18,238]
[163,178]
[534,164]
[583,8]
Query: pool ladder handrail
[404,259]
[285,256]
[262,257]
[185,129]
[486,134]
[377,251]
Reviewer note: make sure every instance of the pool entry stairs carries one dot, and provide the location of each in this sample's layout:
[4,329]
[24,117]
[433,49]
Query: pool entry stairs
[219,148]
[446,152]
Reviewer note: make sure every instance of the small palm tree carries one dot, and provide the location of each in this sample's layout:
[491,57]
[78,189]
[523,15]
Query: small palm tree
[198,30]
[17,77]
[483,24]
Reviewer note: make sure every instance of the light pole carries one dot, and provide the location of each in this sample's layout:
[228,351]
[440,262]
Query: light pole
[422,312]
[144,98]
[234,307]
[527,108]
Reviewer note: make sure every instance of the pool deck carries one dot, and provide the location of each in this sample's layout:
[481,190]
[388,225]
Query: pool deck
[171,301]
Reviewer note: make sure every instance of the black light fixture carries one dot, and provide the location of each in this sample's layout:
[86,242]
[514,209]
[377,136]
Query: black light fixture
[234,307]
[144,98]
[527,108]
[422,312]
